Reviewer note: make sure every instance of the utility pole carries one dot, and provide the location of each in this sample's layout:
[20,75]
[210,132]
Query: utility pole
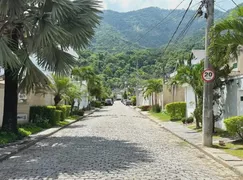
[137,92]
[208,86]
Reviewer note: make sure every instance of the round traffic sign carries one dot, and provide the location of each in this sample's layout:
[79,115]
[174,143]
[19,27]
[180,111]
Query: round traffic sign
[208,75]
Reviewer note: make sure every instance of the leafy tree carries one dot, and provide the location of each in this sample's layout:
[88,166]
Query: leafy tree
[45,29]
[73,93]
[153,86]
[125,95]
[191,74]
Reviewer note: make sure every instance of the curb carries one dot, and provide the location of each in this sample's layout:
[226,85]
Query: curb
[222,162]
[38,139]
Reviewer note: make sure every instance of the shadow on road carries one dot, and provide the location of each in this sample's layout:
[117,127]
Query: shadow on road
[72,156]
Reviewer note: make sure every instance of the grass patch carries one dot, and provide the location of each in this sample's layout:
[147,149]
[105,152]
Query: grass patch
[8,137]
[74,117]
[63,123]
[220,133]
[193,127]
[161,116]
[28,129]
[234,148]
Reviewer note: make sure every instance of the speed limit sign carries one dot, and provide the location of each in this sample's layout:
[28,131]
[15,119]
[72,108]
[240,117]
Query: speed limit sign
[208,75]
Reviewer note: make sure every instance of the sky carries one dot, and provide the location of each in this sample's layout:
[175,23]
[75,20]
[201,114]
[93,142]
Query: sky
[130,5]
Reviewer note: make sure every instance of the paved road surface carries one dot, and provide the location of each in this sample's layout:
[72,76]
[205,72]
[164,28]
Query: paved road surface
[115,143]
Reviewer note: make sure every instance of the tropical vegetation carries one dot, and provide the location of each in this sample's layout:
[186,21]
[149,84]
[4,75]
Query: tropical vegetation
[40,32]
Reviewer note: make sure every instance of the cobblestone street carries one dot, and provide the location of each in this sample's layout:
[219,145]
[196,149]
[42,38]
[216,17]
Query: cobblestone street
[114,143]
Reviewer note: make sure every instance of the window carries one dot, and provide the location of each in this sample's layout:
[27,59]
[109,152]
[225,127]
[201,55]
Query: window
[235,65]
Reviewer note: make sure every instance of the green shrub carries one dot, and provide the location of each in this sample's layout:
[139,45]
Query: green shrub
[176,110]
[30,127]
[38,113]
[44,123]
[187,120]
[68,110]
[24,132]
[145,108]
[134,100]
[58,114]
[79,112]
[156,108]
[64,112]
[234,125]
[96,104]
[7,137]
[198,113]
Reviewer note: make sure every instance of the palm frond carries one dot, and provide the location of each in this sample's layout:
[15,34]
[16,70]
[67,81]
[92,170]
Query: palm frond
[31,77]
[56,60]
[11,8]
[7,56]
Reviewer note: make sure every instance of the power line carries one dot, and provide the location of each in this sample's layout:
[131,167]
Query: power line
[220,7]
[178,26]
[161,21]
[189,24]
[235,3]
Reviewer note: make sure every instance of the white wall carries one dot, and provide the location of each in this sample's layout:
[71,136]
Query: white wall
[190,100]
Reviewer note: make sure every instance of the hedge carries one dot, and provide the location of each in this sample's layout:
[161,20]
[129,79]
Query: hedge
[58,114]
[68,112]
[42,113]
[145,108]
[156,108]
[234,125]
[96,104]
[176,110]
[63,108]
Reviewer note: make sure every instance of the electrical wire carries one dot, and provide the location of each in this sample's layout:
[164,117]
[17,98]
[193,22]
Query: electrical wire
[153,27]
[220,7]
[235,3]
[189,24]
[178,27]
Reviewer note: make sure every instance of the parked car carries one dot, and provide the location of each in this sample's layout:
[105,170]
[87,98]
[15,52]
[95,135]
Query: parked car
[108,102]
[128,102]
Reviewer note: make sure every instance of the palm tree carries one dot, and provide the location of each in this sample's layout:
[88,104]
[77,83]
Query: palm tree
[153,86]
[60,87]
[191,74]
[228,32]
[44,30]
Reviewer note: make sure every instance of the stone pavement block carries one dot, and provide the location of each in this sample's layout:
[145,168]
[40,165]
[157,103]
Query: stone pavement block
[227,157]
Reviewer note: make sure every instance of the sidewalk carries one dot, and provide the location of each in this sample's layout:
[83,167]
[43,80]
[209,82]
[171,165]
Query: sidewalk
[195,139]
[12,148]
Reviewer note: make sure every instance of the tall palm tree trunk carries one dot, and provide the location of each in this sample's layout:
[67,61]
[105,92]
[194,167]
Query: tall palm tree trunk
[10,110]
[10,102]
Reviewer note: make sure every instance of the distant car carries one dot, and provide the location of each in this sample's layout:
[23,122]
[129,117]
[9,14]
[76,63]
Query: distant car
[108,102]
[128,102]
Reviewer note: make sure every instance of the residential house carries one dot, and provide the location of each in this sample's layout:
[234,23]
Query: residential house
[32,99]
[231,101]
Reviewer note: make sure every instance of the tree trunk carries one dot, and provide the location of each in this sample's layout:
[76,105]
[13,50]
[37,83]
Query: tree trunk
[197,120]
[57,99]
[72,104]
[10,101]
[156,98]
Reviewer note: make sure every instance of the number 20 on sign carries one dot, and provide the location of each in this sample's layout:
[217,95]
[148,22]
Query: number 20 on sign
[208,75]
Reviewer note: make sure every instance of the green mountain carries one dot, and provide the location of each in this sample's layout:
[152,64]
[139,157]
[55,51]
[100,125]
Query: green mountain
[121,31]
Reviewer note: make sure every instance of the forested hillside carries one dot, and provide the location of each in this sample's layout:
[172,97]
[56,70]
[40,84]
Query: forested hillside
[120,59]
[120,31]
